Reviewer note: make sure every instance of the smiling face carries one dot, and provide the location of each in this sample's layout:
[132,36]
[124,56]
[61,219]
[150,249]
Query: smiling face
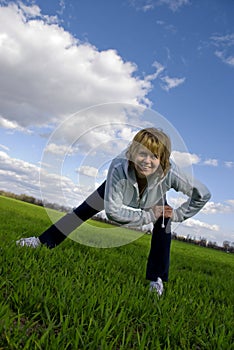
[145,162]
[149,152]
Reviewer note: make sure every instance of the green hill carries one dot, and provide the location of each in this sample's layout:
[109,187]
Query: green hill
[81,297]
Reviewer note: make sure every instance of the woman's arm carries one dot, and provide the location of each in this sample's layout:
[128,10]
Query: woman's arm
[197,192]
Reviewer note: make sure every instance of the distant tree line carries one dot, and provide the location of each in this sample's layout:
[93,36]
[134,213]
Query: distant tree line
[203,242]
[36,201]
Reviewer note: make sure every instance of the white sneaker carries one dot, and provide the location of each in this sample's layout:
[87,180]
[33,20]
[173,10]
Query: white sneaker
[157,286]
[32,242]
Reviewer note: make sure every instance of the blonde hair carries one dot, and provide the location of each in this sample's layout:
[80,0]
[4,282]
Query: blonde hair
[156,141]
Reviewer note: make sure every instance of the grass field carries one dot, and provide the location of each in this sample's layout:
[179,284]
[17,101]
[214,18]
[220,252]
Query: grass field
[80,297]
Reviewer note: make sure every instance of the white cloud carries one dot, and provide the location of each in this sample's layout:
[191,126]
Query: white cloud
[126,133]
[91,132]
[169,27]
[173,5]
[211,162]
[147,5]
[159,69]
[200,224]
[88,171]
[19,176]
[219,208]
[12,125]
[184,159]
[229,164]
[175,200]
[170,83]
[47,74]
[223,40]
[59,149]
[224,45]
[227,207]
[98,174]
[30,11]
[229,60]
[62,6]
[4,147]
[224,58]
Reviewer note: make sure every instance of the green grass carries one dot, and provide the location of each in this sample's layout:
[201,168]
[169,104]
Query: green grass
[80,297]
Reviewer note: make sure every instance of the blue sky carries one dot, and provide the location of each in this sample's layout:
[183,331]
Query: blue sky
[60,59]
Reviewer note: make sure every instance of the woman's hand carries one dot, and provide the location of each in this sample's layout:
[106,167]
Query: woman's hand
[158,211]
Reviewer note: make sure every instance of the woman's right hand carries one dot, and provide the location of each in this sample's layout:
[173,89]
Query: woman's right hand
[158,211]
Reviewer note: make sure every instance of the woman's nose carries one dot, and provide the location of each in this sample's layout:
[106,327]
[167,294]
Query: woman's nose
[147,159]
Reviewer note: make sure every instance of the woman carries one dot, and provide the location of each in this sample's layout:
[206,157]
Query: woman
[135,195]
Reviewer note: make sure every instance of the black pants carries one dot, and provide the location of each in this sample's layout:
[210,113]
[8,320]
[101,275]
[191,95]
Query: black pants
[159,256]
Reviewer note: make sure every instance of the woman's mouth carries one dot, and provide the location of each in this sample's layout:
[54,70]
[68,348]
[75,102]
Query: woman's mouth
[144,168]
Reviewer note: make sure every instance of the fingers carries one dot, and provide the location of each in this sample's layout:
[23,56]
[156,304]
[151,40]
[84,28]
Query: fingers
[168,211]
[158,211]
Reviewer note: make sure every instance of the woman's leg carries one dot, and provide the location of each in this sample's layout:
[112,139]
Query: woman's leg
[159,256]
[57,232]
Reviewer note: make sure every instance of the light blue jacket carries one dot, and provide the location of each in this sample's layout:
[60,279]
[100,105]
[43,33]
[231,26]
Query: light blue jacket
[124,205]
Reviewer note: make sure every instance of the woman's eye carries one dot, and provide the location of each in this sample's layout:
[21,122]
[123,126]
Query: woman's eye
[144,155]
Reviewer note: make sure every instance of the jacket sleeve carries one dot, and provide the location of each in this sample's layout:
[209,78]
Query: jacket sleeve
[197,192]
[114,207]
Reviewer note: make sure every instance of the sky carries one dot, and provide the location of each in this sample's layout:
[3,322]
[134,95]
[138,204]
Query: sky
[78,78]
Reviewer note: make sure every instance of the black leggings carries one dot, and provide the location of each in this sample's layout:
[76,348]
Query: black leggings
[57,233]
[159,256]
